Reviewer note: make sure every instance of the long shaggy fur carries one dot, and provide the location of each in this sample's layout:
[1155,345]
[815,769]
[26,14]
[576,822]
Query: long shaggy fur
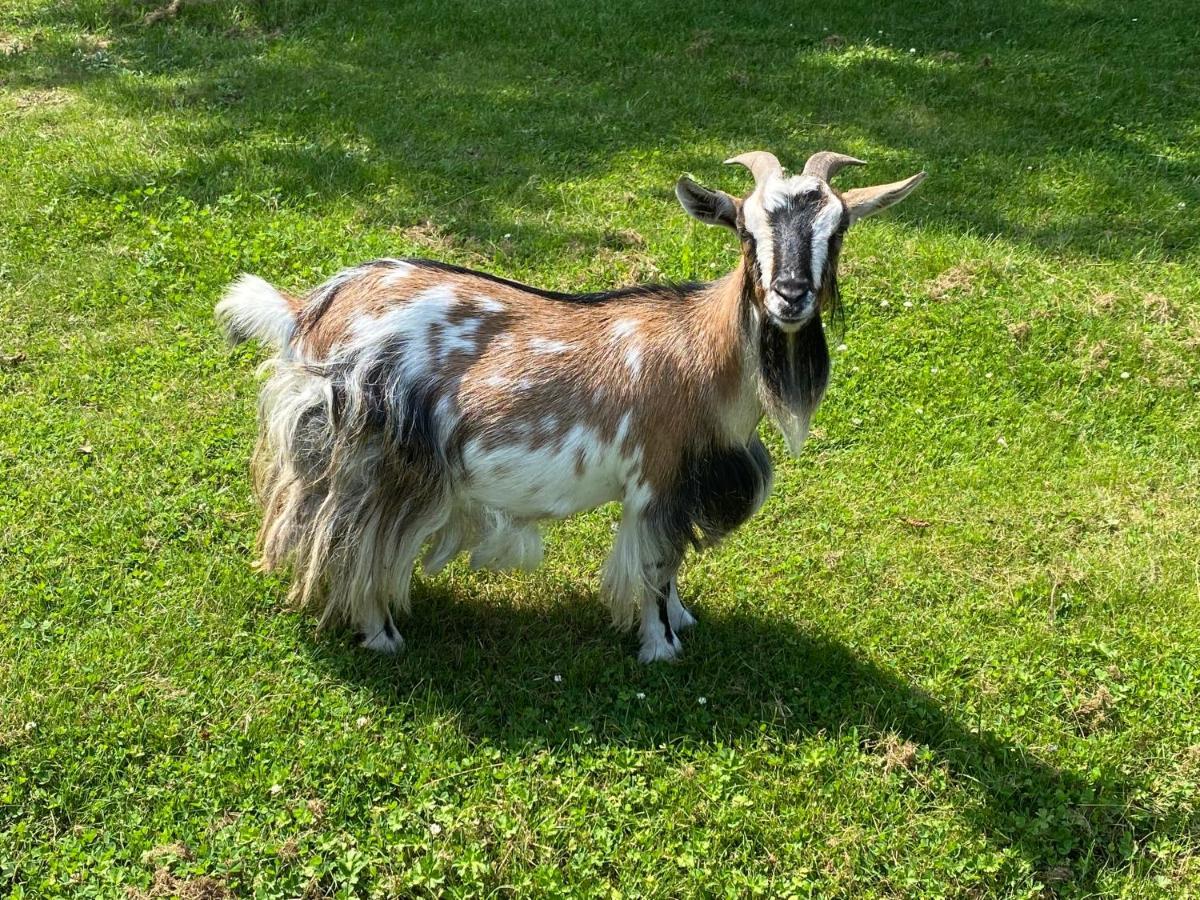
[345,500]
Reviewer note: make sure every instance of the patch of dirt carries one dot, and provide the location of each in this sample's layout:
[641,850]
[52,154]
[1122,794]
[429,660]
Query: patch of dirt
[39,97]
[169,11]
[955,280]
[11,45]
[623,239]
[834,40]
[1097,357]
[1104,301]
[701,41]
[1055,877]
[93,43]
[1159,309]
[430,236]
[895,753]
[289,850]
[1189,762]
[167,885]
[1094,712]
[1020,332]
[167,852]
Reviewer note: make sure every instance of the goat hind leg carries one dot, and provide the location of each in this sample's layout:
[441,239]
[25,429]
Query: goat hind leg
[679,615]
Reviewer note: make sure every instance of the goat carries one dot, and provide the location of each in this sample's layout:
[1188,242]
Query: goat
[416,404]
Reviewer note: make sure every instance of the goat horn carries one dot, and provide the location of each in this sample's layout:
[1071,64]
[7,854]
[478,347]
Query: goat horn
[760,163]
[825,164]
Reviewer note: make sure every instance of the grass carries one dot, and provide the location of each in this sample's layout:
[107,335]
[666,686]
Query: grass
[958,652]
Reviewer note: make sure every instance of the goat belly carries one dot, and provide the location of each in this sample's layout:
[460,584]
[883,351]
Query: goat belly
[547,479]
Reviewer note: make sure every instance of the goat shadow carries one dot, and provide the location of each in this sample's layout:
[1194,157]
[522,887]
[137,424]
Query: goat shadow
[494,667]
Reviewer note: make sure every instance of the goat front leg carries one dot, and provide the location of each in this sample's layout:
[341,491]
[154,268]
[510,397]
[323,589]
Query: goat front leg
[661,617]
[679,615]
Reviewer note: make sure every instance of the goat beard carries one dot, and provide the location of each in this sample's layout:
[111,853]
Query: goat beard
[794,369]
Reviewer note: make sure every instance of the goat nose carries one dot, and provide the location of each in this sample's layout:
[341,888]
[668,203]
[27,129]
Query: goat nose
[793,289]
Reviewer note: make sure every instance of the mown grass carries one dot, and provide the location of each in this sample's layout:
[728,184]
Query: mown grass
[956,654]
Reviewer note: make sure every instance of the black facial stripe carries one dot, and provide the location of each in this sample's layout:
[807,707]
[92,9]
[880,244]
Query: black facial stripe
[792,228]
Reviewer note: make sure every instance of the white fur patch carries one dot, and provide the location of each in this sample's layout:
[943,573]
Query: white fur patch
[547,345]
[544,481]
[633,359]
[399,271]
[677,614]
[252,308]
[824,225]
[655,646]
[764,239]
[779,191]
[623,328]
[507,545]
[460,338]
[489,304]
[413,322]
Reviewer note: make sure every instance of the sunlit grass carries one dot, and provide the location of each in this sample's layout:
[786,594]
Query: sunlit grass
[956,653]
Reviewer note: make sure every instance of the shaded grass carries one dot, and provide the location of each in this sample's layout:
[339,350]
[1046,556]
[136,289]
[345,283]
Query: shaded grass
[956,654]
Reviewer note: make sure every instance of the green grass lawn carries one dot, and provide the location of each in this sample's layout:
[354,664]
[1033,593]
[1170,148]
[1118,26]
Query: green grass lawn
[958,652]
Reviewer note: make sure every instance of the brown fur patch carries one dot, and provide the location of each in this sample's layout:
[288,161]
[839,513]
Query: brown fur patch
[538,362]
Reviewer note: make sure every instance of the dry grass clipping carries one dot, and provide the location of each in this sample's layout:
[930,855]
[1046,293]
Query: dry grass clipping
[167,885]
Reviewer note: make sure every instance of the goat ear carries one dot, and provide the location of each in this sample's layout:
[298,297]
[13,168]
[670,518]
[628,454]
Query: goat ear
[863,202]
[708,206]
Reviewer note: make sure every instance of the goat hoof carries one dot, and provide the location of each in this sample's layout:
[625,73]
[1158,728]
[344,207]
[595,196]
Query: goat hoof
[659,649]
[683,619]
[385,640]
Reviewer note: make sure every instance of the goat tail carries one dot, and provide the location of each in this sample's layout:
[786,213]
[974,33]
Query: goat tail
[254,309]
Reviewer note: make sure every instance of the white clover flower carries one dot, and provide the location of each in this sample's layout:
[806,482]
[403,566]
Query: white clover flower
[1125,376]
[557,679]
[842,348]
[703,701]
[641,695]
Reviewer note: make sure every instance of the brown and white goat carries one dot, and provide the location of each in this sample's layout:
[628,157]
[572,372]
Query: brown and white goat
[418,405]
